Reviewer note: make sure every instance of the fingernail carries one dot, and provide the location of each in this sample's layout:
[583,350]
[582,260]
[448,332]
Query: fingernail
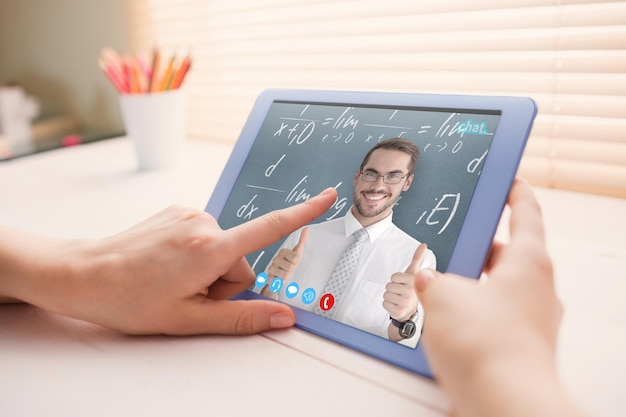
[281,320]
[328,191]
[423,278]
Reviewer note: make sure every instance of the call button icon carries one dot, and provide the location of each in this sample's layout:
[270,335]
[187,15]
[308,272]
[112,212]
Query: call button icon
[327,301]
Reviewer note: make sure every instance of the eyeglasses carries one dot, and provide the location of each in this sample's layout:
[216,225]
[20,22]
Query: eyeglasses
[372,176]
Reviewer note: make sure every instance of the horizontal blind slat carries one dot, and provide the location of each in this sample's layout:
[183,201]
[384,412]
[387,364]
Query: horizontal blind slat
[612,153]
[569,55]
[576,176]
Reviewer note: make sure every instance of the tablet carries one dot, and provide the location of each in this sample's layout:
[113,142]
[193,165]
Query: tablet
[297,143]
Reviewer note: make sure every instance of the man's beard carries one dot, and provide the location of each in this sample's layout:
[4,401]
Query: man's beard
[361,207]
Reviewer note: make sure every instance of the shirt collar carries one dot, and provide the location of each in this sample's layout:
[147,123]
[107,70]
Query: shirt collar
[374,231]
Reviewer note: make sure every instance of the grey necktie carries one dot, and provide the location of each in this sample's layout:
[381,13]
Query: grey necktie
[343,271]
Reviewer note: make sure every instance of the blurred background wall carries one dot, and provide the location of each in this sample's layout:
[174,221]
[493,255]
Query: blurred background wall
[51,48]
[568,55]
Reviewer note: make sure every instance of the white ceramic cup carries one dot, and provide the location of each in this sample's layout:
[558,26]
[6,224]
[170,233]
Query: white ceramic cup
[155,122]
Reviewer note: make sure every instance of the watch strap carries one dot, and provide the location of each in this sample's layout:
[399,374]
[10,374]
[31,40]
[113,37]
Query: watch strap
[397,323]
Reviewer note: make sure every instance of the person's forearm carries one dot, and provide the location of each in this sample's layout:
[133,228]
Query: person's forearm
[15,248]
[34,269]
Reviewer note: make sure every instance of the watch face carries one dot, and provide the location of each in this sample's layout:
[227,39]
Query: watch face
[408,329]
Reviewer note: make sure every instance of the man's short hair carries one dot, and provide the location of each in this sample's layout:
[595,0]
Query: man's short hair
[396,144]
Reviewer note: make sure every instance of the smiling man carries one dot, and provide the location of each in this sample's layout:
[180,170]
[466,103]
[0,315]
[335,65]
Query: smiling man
[359,269]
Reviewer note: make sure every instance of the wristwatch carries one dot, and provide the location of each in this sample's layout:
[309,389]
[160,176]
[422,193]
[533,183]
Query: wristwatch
[406,328]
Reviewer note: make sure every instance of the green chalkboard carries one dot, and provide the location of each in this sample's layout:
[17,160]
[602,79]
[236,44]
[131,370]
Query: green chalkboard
[303,148]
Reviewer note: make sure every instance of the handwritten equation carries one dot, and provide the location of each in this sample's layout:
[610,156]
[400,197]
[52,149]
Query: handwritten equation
[302,149]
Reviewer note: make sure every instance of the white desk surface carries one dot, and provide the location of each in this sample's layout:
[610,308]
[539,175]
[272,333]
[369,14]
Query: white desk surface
[52,365]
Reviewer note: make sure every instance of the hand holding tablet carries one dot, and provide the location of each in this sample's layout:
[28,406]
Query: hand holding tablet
[449,195]
[503,360]
[514,357]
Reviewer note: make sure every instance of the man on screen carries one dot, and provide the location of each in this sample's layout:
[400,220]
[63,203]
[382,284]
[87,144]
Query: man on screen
[359,269]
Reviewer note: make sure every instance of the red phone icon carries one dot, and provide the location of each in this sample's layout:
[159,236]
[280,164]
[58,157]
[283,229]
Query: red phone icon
[327,301]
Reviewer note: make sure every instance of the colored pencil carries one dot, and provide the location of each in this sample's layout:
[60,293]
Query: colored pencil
[133,75]
[113,76]
[154,73]
[179,76]
[167,76]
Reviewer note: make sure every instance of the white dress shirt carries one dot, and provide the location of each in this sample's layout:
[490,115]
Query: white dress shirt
[387,250]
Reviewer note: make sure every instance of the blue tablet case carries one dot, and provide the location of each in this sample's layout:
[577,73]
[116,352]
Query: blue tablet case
[470,149]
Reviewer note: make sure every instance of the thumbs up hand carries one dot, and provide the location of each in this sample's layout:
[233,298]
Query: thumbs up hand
[286,261]
[400,299]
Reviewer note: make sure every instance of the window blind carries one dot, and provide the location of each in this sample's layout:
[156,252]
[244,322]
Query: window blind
[568,55]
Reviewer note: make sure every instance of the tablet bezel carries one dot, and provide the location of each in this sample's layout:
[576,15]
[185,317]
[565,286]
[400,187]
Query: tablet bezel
[479,227]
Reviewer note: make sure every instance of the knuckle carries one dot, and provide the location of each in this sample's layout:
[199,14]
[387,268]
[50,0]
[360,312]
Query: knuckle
[184,212]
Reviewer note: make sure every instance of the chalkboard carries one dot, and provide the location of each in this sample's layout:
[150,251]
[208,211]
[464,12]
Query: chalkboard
[303,148]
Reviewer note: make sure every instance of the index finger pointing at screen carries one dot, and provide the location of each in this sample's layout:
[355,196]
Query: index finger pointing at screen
[270,227]
[418,256]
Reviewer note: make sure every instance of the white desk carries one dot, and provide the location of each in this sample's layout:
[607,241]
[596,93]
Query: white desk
[52,365]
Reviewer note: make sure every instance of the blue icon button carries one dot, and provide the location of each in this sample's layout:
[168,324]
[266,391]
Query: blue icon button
[261,280]
[276,285]
[308,295]
[292,290]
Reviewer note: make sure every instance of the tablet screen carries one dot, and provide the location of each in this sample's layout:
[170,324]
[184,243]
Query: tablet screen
[406,174]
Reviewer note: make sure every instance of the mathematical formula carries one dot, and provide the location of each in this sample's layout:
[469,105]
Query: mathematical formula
[305,148]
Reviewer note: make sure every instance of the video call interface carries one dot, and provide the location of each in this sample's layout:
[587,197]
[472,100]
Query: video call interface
[303,148]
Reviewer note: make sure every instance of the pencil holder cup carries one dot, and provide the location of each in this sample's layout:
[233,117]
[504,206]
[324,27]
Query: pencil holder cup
[155,122]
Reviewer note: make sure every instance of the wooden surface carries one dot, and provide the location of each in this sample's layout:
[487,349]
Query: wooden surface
[52,365]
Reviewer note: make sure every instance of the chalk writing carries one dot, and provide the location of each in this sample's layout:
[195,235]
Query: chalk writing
[388,126]
[442,146]
[282,127]
[295,132]
[443,129]
[296,196]
[246,210]
[338,205]
[475,163]
[258,258]
[302,148]
[264,188]
[442,212]
[345,120]
[270,170]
